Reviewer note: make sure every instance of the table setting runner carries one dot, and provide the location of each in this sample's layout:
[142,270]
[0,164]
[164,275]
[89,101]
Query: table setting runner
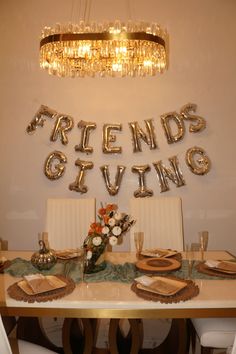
[125,273]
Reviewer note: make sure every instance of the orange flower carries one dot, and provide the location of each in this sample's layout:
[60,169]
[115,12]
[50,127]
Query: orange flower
[105,219]
[98,228]
[95,227]
[102,211]
[111,207]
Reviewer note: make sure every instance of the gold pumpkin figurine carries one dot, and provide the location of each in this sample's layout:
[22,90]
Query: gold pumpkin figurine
[44,259]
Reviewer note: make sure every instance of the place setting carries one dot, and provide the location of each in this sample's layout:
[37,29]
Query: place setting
[226,269]
[154,259]
[158,286]
[39,287]
[165,289]
[217,268]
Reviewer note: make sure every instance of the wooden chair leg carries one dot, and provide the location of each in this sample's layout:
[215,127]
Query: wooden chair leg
[132,343]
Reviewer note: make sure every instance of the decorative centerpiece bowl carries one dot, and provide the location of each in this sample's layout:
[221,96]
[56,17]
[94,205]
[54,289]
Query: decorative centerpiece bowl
[111,226]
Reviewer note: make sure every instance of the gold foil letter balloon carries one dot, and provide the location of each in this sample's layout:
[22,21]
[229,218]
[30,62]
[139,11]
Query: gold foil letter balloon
[86,127]
[52,169]
[112,189]
[62,126]
[38,120]
[197,161]
[137,134]
[142,191]
[166,121]
[110,138]
[78,185]
[200,122]
[174,174]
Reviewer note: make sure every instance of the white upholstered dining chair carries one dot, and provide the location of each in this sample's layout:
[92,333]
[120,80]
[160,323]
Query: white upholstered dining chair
[161,220]
[213,333]
[18,346]
[67,224]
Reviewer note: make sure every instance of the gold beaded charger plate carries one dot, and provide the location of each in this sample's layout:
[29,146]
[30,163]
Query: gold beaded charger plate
[152,265]
[167,290]
[216,272]
[22,292]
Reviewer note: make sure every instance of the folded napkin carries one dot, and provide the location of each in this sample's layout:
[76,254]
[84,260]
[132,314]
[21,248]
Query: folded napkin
[211,263]
[144,280]
[158,252]
[39,283]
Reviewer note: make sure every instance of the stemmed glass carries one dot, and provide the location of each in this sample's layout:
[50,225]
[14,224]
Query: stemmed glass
[203,240]
[190,259]
[138,240]
[81,262]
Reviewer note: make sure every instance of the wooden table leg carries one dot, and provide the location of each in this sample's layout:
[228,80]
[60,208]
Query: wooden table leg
[132,343]
[78,335]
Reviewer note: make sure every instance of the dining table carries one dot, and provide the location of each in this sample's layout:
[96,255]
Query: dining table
[116,300]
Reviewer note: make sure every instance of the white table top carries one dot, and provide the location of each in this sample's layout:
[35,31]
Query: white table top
[217,298]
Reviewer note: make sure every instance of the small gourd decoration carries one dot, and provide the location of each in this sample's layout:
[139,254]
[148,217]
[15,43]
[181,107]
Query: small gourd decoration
[45,258]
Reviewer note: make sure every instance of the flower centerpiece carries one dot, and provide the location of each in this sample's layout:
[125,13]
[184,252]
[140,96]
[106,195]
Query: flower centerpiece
[111,226]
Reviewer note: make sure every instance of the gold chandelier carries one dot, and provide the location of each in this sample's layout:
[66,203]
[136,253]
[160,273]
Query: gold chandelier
[108,49]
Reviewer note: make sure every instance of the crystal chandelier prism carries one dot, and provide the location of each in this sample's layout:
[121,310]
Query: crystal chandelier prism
[109,49]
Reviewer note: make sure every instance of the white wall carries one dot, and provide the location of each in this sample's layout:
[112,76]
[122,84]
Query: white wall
[202,70]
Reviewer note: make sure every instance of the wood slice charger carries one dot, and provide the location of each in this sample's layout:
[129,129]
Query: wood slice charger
[159,265]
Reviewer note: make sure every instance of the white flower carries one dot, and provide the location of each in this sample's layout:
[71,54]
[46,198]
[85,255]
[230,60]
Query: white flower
[116,230]
[105,230]
[111,222]
[118,216]
[113,240]
[89,255]
[97,240]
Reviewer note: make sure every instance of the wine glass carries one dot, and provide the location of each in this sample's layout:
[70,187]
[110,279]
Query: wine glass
[190,258]
[203,240]
[138,240]
[80,262]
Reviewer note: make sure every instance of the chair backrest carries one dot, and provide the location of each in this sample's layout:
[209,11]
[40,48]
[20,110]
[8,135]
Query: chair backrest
[68,221]
[4,343]
[161,221]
